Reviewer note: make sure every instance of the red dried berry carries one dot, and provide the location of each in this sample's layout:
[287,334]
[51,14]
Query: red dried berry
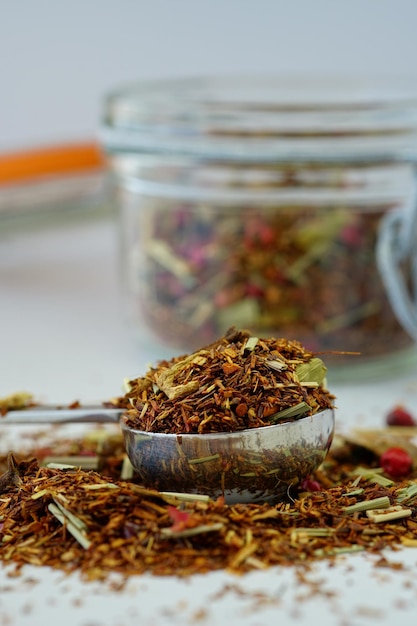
[180,518]
[399,416]
[309,484]
[396,462]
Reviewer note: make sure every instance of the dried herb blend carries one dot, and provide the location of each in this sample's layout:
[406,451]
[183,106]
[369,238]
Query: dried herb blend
[239,386]
[73,519]
[236,383]
[306,271]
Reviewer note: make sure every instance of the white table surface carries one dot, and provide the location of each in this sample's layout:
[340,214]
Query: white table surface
[64,336]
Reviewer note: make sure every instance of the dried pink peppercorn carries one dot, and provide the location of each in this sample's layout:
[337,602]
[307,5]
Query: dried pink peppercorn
[309,484]
[396,462]
[399,416]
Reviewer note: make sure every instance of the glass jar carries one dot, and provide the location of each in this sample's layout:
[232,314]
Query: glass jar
[282,205]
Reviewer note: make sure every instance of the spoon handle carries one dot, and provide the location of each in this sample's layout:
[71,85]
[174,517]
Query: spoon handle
[54,415]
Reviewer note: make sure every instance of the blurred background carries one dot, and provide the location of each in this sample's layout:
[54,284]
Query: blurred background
[62,325]
[59,58]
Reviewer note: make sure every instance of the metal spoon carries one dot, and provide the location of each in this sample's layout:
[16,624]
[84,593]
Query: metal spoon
[254,465]
[48,414]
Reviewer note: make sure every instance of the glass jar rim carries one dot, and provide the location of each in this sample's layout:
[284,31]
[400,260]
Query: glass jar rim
[265,117]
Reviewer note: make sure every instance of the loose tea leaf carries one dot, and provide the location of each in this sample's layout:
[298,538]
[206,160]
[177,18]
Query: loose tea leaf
[235,383]
[11,477]
[78,520]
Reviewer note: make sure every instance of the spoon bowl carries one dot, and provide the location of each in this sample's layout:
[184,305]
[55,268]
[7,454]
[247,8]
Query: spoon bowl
[254,465]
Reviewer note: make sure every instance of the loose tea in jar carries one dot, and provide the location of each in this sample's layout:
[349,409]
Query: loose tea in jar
[260,202]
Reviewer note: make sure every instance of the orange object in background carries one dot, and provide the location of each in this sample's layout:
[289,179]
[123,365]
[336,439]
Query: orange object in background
[48,161]
[42,184]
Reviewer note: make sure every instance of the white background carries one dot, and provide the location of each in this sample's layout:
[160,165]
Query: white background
[58,58]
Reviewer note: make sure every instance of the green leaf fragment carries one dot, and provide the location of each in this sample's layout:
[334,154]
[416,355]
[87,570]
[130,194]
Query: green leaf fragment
[373,475]
[296,411]
[314,371]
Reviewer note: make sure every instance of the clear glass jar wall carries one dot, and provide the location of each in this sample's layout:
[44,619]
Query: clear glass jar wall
[250,205]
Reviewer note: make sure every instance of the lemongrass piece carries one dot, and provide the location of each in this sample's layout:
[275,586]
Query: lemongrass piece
[357,480]
[355,492]
[101,486]
[78,523]
[389,514]
[250,343]
[373,475]
[185,497]
[276,365]
[39,494]
[378,479]
[312,532]
[298,410]
[85,462]
[406,494]
[127,471]
[61,466]
[78,535]
[376,503]
[167,533]
[347,549]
